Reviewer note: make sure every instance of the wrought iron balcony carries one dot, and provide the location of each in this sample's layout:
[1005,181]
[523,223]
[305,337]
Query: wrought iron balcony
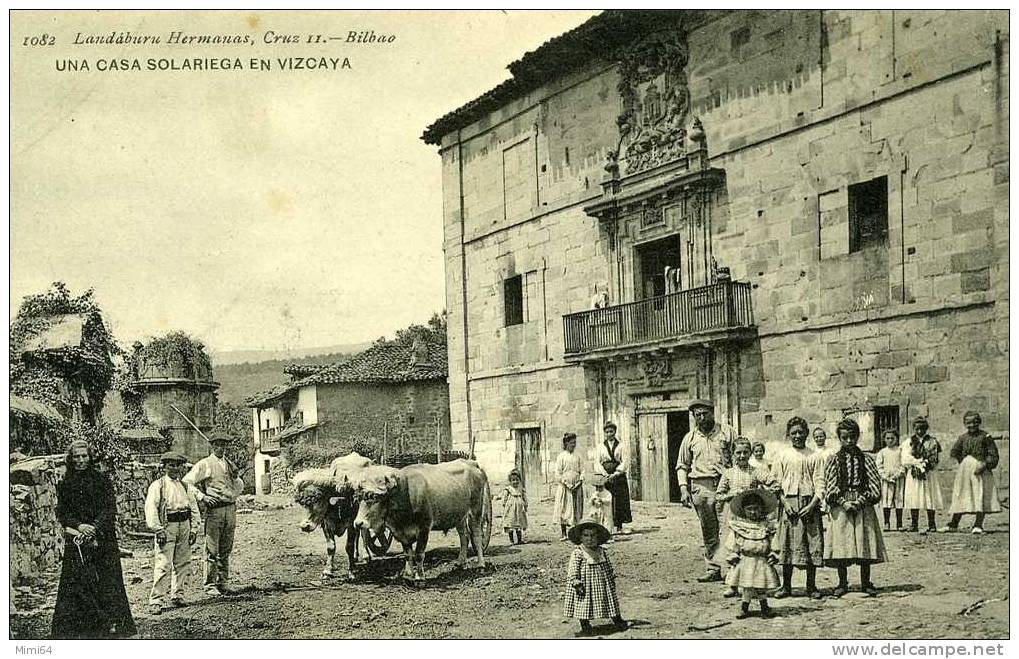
[714,312]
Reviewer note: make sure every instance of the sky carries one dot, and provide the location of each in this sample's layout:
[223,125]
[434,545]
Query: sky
[277,210]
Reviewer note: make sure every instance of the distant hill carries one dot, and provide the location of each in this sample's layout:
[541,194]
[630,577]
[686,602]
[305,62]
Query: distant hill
[240,380]
[227,357]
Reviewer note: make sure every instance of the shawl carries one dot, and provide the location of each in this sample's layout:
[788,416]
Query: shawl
[927,450]
[852,475]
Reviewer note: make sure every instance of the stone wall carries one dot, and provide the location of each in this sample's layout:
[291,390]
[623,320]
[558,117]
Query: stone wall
[132,484]
[406,412]
[36,539]
[280,476]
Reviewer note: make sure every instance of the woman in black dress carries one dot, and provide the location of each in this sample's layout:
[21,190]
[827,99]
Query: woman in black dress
[91,599]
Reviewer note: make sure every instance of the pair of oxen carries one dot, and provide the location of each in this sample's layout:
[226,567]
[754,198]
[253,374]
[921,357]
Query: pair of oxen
[364,500]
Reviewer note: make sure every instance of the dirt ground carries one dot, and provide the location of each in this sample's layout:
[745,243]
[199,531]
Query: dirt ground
[924,589]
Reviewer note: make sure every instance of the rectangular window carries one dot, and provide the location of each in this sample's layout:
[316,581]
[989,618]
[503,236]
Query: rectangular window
[513,300]
[886,417]
[868,214]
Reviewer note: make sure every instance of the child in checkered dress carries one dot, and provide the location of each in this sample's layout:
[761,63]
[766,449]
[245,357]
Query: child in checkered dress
[592,592]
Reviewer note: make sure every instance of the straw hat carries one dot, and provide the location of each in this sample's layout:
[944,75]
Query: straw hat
[575,531]
[768,501]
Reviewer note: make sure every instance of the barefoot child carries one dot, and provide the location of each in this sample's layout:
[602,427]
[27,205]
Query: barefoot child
[592,581]
[749,547]
[514,512]
[893,478]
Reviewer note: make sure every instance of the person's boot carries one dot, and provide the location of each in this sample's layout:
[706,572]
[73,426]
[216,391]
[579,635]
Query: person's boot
[766,611]
[786,589]
[620,624]
[709,576]
[744,610]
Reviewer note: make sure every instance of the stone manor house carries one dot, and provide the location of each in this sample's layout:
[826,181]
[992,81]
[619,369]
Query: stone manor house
[791,212]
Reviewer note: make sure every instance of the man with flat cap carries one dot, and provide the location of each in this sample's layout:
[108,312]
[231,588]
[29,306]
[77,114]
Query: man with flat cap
[171,512]
[218,483]
[704,452]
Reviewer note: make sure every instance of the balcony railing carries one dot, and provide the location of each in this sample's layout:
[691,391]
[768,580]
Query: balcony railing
[715,307]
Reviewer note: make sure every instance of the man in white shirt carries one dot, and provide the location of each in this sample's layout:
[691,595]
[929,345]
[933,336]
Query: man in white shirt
[218,483]
[171,512]
[704,452]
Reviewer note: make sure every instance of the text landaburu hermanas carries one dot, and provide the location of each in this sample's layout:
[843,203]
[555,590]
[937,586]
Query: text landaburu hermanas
[178,38]
[206,64]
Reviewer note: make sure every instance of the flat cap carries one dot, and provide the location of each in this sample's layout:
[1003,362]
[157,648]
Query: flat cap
[172,456]
[703,402]
[220,438]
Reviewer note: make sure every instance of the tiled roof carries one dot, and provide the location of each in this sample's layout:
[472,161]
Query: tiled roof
[599,36]
[298,371]
[388,361]
[264,397]
[385,362]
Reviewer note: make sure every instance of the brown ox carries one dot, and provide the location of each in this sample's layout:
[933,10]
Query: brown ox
[327,496]
[420,498]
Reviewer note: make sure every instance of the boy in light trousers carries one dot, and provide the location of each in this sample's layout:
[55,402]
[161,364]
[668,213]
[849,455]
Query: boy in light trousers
[171,512]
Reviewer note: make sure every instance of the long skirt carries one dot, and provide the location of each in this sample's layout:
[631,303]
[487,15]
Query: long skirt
[91,598]
[619,488]
[800,541]
[893,492]
[569,505]
[600,599]
[922,493]
[853,538]
[752,572]
[973,493]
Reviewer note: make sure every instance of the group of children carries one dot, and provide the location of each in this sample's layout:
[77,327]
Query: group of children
[807,508]
[909,481]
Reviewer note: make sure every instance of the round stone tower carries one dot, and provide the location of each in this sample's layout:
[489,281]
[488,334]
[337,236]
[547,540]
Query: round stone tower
[174,372]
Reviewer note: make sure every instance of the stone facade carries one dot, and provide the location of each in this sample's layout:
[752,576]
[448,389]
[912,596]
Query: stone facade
[794,109]
[410,413]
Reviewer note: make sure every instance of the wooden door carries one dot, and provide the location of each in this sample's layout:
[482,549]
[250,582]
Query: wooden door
[654,456]
[529,462]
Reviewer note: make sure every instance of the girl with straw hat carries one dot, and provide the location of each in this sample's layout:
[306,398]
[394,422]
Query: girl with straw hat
[592,580]
[750,551]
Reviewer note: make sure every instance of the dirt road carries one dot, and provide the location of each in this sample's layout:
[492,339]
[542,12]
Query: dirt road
[925,587]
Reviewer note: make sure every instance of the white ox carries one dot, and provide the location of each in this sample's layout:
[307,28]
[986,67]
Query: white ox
[328,499]
[421,498]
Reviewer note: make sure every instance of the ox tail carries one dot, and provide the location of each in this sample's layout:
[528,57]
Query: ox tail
[486,512]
